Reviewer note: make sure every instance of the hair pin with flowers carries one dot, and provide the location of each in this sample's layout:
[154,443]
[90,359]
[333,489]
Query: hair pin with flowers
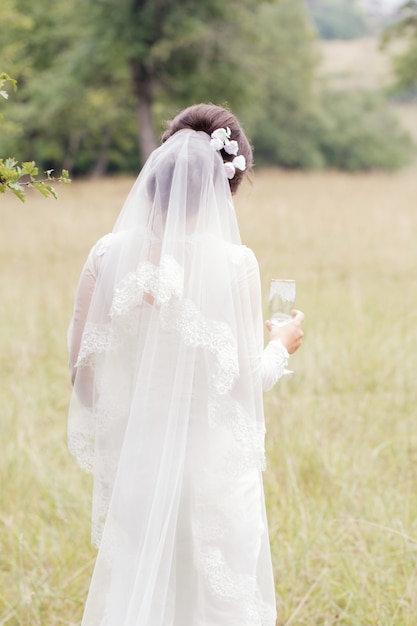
[220,140]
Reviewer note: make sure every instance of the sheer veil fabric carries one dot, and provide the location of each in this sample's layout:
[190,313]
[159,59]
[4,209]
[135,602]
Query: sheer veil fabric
[166,356]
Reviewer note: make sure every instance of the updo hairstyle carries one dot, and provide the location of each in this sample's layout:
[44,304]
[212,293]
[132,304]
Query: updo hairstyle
[208,118]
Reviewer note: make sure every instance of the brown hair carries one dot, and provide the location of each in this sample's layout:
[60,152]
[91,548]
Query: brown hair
[208,118]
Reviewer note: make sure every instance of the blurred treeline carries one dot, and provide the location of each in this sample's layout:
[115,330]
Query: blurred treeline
[98,78]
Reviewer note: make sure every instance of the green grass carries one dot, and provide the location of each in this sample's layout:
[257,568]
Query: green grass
[342,442]
[341,482]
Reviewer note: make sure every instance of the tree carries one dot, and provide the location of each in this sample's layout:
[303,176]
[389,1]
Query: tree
[98,76]
[284,88]
[295,122]
[15,176]
[67,109]
[174,51]
[404,62]
[102,61]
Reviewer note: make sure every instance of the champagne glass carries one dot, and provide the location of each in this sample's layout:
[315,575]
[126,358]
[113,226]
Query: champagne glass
[281,303]
[281,300]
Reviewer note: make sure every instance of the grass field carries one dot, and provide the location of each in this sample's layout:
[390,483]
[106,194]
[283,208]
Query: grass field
[341,482]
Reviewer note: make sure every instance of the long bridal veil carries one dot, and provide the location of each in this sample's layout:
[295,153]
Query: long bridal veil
[167,409]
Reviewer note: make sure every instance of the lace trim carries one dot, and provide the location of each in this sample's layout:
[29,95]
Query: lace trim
[249,436]
[165,284]
[81,446]
[81,432]
[226,585]
[96,340]
[221,582]
[198,331]
[103,488]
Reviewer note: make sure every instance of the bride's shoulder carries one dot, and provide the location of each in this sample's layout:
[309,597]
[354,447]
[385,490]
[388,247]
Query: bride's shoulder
[109,241]
[103,244]
[100,250]
[243,255]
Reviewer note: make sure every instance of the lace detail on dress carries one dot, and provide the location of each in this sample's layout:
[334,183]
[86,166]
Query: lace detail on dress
[221,581]
[268,613]
[230,586]
[249,436]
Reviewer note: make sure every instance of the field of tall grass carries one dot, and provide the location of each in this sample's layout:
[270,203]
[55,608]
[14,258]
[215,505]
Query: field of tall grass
[341,482]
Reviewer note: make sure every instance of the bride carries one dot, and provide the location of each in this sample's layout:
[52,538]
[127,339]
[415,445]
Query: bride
[168,370]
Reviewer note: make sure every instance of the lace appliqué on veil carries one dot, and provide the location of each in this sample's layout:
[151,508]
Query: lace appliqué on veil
[165,285]
[96,340]
[216,337]
[81,439]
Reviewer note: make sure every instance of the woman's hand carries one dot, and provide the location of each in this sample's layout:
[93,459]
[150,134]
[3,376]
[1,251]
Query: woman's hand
[290,334]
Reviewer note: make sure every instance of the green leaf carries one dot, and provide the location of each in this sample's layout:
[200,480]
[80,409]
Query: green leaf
[29,167]
[17,190]
[10,163]
[42,188]
[5,78]
[51,191]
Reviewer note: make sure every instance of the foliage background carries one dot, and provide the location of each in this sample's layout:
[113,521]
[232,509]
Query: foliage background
[98,79]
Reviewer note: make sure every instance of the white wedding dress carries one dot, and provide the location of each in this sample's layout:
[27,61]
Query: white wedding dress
[168,367]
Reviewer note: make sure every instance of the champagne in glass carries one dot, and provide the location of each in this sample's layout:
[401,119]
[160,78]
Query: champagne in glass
[281,300]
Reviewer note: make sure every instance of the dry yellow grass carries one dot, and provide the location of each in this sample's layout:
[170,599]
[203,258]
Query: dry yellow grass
[342,440]
[342,443]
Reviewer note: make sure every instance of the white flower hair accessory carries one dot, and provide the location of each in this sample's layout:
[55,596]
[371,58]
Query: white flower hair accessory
[220,140]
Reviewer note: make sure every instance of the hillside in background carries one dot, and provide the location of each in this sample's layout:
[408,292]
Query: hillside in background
[361,64]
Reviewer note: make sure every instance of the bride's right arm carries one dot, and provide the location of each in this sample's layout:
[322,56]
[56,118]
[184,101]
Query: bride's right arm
[82,303]
[274,357]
